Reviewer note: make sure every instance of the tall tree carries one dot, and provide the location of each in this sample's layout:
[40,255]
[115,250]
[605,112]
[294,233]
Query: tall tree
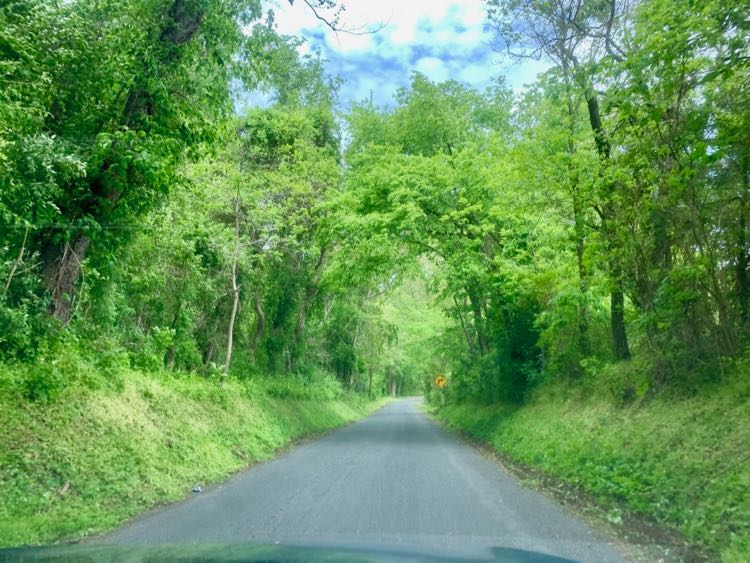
[575,35]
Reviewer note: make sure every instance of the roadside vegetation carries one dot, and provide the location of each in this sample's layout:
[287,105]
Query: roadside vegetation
[679,461]
[99,455]
[575,258]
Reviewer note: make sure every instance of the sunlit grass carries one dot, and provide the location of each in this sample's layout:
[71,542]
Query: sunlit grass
[685,461]
[87,463]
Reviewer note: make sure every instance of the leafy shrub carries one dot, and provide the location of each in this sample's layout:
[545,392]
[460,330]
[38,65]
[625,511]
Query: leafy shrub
[150,355]
[58,366]
[62,362]
[679,459]
[43,383]
[16,335]
[565,348]
[23,320]
[315,385]
[627,381]
[110,361]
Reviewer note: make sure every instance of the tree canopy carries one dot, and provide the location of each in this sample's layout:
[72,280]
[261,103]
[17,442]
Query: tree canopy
[598,218]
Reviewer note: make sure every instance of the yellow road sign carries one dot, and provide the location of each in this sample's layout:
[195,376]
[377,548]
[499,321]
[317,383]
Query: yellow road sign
[440,381]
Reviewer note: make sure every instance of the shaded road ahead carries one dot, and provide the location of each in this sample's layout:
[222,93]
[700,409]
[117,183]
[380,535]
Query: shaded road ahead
[395,479]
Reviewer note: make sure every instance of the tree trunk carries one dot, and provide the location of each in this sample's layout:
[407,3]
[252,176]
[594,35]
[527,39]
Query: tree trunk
[62,263]
[603,147]
[662,252]
[467,334]
[208,355]
[17,262]
[743,255]
[476,308]
[310,293]
[260,323]
[62,268]
[583,286]
[171,355]
[235,290]
[369,382]
[619,336]
[232,318]
[617,300]
[299,328]
[579,229]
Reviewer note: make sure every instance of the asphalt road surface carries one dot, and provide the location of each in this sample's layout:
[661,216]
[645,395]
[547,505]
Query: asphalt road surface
[393,480]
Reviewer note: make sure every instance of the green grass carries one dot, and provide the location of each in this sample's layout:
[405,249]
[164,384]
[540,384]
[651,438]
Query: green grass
[90,459]
[683,461]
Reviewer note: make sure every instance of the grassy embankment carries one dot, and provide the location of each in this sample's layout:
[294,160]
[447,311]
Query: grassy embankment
[683,461]
[89,459]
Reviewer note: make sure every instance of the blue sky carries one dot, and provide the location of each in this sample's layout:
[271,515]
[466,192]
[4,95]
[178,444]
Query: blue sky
[443,39]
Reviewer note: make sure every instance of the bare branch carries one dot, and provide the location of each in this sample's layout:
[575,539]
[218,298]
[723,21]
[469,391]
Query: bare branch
[333,22]
[17,262]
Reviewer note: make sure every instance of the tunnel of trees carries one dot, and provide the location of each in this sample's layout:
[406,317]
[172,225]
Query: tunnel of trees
[594,226]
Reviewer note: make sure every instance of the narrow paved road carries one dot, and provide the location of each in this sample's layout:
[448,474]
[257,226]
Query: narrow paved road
[394,479]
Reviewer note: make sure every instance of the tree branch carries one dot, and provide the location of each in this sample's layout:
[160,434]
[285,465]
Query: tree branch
[333,22]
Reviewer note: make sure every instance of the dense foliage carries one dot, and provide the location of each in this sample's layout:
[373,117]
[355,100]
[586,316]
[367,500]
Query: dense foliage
[601,216]
[143,223]
[679,461]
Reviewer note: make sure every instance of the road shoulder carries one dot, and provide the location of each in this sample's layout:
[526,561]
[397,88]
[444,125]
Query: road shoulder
[635,537]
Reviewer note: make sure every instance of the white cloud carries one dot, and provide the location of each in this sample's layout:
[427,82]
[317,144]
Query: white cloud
[475,74]
[444,39]
[522,74]
[433,68]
